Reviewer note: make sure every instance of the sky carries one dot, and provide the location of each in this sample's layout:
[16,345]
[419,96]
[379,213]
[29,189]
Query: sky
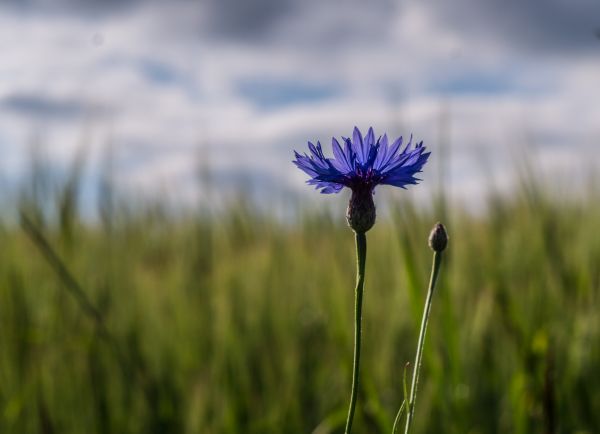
[173,92]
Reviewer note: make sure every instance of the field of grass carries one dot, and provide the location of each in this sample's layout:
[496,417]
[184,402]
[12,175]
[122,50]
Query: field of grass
[239,323]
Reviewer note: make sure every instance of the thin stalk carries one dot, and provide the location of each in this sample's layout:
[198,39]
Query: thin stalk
[403,406]
[361,258]
[437,260]
[398,417]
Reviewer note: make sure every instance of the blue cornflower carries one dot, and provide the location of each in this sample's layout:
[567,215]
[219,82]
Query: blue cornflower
[362,164]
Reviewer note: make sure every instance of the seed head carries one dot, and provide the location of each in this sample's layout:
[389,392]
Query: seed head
[438,238]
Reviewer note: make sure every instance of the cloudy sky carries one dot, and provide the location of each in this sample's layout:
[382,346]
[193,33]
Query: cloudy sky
[166,88]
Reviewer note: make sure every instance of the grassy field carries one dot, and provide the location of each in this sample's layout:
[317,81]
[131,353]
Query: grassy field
[239,323]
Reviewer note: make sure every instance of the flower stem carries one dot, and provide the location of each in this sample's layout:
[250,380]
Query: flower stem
[361,257]
[437,260]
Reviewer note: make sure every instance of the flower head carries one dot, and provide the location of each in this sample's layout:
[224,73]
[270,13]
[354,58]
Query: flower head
[361,164]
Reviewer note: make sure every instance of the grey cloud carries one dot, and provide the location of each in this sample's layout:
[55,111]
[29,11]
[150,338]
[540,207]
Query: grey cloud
[243,19]
[337,21]
[45,107]
[537,27]
[89,8]
[220,18]
[533,25]
[252,21]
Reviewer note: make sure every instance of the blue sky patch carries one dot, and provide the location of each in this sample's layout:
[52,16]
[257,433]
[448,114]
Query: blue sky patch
[158,72]
[474,84]
[269,94]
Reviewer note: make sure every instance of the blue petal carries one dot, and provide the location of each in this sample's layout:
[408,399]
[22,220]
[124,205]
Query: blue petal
[407,159]
[369,138]
[303,163]
[318,157]
[331,188]
[342,161]
[349,152]
[404,174]
[381,154]
[373,152]
[359,146]
[390,154]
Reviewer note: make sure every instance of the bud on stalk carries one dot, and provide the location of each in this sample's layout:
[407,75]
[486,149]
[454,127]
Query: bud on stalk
[438,238]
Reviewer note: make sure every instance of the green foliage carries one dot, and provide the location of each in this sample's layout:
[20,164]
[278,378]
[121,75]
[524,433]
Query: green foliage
[239,323]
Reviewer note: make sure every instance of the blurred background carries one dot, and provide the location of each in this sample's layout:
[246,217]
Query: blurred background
[164,268]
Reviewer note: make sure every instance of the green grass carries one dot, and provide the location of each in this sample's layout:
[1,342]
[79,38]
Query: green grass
[242,324]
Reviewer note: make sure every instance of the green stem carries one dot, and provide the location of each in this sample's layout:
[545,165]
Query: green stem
[403,406]
[361,258]
[437,260]
[398,417]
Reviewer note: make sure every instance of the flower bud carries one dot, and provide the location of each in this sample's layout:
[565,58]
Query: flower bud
[361,210]
[438,238]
